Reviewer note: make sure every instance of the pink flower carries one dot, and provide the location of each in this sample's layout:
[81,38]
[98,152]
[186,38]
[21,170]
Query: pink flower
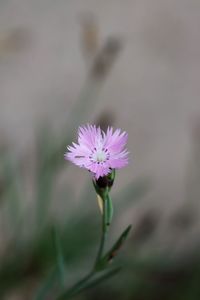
[97,151]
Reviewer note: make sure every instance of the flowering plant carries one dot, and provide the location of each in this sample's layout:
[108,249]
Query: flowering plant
[100,153]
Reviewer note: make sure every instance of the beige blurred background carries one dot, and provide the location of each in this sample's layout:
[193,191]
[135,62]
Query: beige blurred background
[152,90]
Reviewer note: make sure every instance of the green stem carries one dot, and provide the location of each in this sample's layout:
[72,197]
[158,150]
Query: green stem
[75,289]
[103,236]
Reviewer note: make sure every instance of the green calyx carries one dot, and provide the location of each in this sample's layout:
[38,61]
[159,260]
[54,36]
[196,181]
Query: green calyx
[105,183]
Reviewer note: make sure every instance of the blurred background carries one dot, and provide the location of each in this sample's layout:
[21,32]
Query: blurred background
[131,64]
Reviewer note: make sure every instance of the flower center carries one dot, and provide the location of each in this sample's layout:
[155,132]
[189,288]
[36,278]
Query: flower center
[99,156]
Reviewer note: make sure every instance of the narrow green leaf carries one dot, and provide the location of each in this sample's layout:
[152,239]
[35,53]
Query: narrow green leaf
[79,286]
[47,285]
[102,278]
[89,284]
[59,257]
[115,248]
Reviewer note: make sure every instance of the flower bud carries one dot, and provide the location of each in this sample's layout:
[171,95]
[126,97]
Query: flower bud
[104,182]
